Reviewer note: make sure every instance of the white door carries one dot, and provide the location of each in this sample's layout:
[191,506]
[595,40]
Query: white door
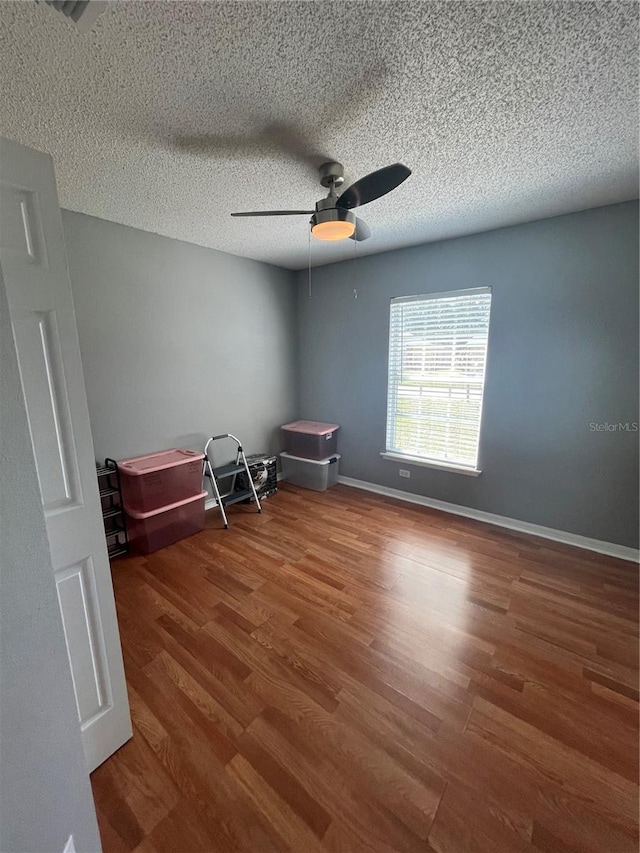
[34,268]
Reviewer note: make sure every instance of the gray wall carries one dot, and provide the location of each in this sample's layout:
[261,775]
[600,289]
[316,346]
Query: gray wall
[563,353]
[179,342]
[45,793]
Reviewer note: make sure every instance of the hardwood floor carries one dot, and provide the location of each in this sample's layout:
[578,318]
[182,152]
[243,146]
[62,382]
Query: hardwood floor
[347,673]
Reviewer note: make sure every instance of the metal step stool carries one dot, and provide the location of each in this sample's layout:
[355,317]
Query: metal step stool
[228,473]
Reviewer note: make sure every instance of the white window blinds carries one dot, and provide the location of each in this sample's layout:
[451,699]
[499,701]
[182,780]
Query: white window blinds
[437,356]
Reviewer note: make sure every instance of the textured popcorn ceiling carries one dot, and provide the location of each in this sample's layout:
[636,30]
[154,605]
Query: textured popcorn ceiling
[167,116]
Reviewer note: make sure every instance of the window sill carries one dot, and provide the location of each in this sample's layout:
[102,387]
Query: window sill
[426,463]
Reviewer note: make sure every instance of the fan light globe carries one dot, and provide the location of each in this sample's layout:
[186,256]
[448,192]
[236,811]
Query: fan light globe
[333,230]
[333,224]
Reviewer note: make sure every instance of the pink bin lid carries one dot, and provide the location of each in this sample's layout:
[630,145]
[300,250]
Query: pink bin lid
[158,461]
[311,427]
[134,513]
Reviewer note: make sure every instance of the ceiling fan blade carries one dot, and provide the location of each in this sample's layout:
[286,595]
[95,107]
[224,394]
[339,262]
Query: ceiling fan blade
[362,232]
[373,186]
[273,213]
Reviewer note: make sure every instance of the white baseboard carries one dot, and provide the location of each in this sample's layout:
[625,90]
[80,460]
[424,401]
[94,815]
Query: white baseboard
[608,548]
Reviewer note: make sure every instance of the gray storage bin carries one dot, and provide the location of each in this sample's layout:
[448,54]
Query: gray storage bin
[310,439]
[316,474]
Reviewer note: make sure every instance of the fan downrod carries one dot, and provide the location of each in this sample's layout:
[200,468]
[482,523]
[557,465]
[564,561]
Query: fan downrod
[331,174]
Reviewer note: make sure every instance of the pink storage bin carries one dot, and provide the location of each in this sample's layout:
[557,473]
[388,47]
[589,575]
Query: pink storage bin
[150,531]
[310,439]
[152,481]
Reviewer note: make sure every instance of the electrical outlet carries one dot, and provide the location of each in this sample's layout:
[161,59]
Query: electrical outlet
[404,473]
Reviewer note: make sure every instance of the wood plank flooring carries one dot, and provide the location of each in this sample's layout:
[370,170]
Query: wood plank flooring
[346,673]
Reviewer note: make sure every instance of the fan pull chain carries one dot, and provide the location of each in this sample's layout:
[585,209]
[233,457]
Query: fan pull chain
[355,269]
[309,296]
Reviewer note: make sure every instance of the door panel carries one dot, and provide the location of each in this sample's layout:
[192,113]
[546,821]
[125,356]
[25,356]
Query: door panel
[35,271]
[21,225]
[85,640]
[38,342]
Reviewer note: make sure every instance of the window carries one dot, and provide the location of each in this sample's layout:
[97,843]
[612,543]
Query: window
[437,356]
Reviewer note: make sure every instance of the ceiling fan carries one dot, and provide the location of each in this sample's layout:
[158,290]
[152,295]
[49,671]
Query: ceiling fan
[332,219]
